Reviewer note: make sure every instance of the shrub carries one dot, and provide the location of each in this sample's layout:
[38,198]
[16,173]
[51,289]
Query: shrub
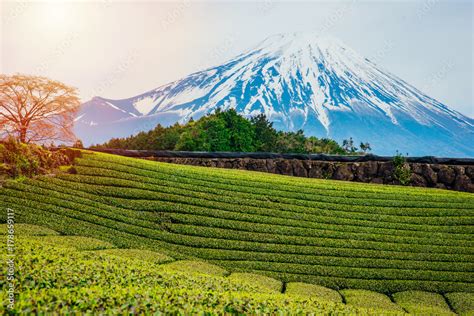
[402,171]
[312,290]
[75,242]
[138,254]
[18,159]
[263,283]
[195,267]
[462,303]
[28,230]
[368,299]
[422,303]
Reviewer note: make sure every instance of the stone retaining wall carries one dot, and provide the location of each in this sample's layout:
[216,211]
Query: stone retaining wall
[454,177]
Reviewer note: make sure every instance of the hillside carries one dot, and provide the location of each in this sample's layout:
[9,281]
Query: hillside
[148,282]
[299,81]
[338,235]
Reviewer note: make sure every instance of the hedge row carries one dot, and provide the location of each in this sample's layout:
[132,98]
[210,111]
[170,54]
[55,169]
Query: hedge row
[422,303]
[192,241]
[464,224]
[369,299]
[382,285]
[298,235]
[352,272]
[394,199]
[60,185]
[216,241]
[252,179]
[386,285]
[394,214]
[461,303]
[112,214]
[219,239]
[312,290]
[137,254]
[27,230]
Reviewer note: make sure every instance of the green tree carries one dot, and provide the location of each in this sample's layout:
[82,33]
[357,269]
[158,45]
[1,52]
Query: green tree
[192,139]
[348,145]
[402,171]
[217,137]
[291,142]
[229,131]
[167,138]
[265,134]
[241,131]
[365,147]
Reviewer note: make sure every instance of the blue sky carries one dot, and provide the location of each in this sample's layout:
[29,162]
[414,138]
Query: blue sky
[120,49]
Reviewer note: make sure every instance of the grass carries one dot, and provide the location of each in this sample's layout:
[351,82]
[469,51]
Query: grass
[334,234]
[422,303]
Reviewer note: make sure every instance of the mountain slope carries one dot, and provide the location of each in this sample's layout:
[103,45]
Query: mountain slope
[301,81]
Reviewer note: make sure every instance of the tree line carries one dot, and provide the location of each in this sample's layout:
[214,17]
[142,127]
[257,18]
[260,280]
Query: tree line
[229,131]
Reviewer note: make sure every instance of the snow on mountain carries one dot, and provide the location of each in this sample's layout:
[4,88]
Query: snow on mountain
[300,81]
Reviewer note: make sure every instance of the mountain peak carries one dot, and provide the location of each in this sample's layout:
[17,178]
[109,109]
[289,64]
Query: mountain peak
[309,82]
[299,41]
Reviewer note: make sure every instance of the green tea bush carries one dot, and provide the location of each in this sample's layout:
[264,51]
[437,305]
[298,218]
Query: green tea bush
[76,242]
[141,190]
[138,254]
[312,290]
[27,230]
[263,283]
[368,299]
[462,303]
[272,182]
[422,303]
[195,267]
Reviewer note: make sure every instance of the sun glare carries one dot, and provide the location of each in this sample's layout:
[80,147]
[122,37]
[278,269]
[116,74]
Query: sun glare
[56,14]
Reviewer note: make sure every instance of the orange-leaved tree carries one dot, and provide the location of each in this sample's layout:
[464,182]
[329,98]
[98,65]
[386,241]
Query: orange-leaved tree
[37,109]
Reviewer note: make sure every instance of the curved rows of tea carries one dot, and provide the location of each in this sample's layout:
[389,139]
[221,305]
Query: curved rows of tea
[67,281]
[74,274]
[335,234]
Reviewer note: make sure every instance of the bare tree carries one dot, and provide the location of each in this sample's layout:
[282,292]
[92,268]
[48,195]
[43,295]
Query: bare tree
[37,109]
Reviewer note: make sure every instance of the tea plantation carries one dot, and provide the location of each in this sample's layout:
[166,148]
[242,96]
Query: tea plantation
[322,243]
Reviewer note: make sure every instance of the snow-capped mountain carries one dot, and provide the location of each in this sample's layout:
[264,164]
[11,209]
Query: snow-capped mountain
[300,81]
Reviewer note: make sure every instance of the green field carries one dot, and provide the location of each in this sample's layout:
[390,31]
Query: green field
[336,235]
[66,278]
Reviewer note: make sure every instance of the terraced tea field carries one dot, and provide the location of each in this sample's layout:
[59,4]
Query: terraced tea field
[72,274]
[333,234]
